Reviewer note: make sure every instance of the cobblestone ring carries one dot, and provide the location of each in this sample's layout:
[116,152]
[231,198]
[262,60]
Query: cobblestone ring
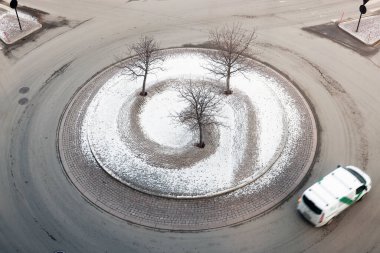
[115,158]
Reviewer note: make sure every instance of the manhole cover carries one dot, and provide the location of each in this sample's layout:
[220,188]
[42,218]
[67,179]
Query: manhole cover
[23,101]
[23,90]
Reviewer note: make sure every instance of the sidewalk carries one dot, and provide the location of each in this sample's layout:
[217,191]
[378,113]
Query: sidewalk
[9,27]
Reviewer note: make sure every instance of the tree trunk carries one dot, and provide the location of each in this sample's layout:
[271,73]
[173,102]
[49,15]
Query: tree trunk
[143,93]
[228,90]
[201,143]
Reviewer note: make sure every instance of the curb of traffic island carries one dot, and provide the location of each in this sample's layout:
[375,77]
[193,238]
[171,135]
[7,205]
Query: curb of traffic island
[367,36]
[11,34]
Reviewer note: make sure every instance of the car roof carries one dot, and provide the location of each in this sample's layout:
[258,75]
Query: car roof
[337,184]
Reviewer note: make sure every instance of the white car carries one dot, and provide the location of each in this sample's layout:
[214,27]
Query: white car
[324,200]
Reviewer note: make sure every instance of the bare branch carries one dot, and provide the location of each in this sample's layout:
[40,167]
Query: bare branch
[203,106]
[232,44]
[147,58]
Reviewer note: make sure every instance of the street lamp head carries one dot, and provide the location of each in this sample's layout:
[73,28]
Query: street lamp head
[362,9]
[13,4]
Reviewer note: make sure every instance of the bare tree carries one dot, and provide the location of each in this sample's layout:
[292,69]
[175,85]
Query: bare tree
[147,59]
[232,43]
[203,107]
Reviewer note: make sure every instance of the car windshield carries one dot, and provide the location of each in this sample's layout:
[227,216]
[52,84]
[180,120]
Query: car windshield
[311,205]
[357,175]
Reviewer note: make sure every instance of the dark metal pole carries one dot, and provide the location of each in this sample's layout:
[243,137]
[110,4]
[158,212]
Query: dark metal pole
[357,28]
[18,19]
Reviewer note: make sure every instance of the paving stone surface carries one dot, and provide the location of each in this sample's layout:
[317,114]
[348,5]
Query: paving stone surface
[177,214]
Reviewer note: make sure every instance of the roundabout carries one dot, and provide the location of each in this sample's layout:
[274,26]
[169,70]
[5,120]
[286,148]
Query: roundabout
[133,149]
[56,195]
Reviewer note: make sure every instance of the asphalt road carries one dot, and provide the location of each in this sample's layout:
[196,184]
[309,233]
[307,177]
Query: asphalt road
[40,211]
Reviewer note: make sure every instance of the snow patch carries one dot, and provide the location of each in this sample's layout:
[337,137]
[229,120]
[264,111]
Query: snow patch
[157,121]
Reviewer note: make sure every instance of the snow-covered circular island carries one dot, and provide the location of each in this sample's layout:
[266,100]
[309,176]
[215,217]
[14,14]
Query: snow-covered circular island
[135,139]
[125,155]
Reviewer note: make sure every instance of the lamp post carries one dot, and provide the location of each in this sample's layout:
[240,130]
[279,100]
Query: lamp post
[13,5]
[362,10]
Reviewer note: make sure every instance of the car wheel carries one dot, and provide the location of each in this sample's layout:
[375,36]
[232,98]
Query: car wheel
[330,221]
[362,197]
